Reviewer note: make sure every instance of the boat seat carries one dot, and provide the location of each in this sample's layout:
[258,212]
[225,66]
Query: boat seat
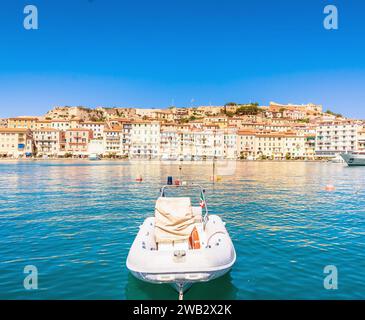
[174,219]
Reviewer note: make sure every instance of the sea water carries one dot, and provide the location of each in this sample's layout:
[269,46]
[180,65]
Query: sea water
[75,222]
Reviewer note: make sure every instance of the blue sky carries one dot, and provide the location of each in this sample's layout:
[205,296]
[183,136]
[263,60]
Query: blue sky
[147,53]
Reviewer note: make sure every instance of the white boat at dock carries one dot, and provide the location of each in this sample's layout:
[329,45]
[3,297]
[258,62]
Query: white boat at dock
[180,245]
[94,157]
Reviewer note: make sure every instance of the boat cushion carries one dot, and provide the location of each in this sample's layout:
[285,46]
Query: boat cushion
[174,219]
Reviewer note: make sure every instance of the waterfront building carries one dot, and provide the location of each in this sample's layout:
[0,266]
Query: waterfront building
[23,123]
[170,142]
[145,139]
[96,146]
[230,144]
[310,143]
[126,137]
[361,140]
[265,126]
[113,141]
[77,141]
[246,144]
[96,127]
[15,142]
[205,143]
[47,141]
[277,145]
[335,137]
[272,145]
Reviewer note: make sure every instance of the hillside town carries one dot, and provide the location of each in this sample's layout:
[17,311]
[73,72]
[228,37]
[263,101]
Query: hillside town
[233,131]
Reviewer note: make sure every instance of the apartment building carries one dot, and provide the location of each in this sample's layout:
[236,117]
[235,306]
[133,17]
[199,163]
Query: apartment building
[23,123]
[170,142]
[64,125]
[96,127]
[246,144]
[113,141]
[230,144]
[15,142]
[335,137]
[265,126]
[126,137]
[145,139]
[361,140]
[96,146]
[77,141]
[43,124]
[205,143]
[274,145]
[48,141]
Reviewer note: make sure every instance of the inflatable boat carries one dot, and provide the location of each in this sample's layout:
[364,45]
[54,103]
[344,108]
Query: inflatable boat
[180,244]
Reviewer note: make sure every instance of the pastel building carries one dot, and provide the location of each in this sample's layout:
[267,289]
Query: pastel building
[22,123]
[335,137]
[170,142]
[113,141]
[77,141]
[15,142]
[145,140]
[48,141]
[272,145]
[96,127]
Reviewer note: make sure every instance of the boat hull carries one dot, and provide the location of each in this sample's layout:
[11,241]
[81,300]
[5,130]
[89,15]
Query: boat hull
[213,260]
[353,160]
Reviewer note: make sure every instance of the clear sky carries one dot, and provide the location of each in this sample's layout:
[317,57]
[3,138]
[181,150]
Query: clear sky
[144,53]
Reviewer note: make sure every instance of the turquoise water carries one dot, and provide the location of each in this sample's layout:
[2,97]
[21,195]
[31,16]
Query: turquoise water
[75,221]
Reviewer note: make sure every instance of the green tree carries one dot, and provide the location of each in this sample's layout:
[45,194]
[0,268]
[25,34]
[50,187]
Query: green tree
[248,110]
[338,115]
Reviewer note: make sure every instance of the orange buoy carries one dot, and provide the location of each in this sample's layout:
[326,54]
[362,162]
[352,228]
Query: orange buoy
[139,178]
[177,182]
[330,188]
